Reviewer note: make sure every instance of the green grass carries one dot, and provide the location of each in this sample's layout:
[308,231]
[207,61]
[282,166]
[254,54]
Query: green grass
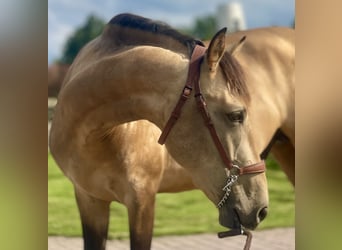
[180,213]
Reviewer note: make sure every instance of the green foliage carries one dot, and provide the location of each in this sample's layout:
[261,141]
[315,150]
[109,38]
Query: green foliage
[180,213]
[204,28]
[91,29]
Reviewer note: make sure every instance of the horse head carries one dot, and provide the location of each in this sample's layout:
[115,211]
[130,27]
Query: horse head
[220,153]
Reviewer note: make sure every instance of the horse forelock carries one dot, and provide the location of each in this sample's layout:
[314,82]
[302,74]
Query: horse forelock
[135,22]
[234,76]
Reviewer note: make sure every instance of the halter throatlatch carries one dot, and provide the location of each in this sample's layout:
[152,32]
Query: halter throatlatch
[233,171]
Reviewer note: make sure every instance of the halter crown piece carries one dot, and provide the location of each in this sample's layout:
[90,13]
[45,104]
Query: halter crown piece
[233,171]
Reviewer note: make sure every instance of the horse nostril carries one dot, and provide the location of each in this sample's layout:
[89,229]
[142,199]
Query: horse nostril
[262,213]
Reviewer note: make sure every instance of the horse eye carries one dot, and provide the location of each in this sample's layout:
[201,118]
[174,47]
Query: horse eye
[236,116]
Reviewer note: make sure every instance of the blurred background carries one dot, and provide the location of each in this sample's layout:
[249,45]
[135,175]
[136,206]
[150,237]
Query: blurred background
[65,17]
[71,24]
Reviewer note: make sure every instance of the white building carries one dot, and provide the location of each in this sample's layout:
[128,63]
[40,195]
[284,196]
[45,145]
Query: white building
[231,15]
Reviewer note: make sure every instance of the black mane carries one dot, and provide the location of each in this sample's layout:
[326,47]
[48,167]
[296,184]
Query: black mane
[155,27]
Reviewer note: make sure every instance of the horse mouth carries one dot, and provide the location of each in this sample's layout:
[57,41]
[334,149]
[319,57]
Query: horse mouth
[229,218]
[236,223]
[237,229]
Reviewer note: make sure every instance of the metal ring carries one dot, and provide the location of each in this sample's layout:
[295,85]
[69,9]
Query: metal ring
[235,170]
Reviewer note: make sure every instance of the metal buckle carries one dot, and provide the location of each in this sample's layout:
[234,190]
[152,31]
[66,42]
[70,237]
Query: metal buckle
[235,170]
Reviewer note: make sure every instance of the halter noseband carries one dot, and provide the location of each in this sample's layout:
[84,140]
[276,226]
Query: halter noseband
[233,171]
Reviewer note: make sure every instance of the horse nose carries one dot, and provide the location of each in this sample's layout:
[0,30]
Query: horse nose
[262,213]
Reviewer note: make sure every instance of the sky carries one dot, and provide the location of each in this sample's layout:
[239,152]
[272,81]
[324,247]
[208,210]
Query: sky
[64,16]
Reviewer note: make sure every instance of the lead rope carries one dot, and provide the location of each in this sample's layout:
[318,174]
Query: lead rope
[236,232]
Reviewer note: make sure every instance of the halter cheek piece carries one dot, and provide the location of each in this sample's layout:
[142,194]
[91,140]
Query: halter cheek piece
[233,171]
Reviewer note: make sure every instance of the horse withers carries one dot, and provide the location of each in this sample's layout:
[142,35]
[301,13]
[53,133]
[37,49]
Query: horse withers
[121,91]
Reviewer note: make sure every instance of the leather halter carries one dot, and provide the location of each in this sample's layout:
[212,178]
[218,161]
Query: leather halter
[193,82]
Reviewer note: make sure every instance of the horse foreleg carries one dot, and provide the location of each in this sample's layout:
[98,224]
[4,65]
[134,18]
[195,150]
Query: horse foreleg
[141,218]
[284,153]
[94,216]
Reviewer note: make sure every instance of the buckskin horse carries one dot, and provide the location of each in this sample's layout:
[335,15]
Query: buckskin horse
[220,108]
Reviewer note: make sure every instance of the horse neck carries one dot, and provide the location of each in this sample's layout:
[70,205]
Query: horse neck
[140,83]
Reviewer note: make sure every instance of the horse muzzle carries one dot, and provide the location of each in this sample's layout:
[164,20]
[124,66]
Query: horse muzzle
[235,219]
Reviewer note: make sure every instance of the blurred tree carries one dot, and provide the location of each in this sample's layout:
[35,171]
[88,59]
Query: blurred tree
[91,29]
[204,28]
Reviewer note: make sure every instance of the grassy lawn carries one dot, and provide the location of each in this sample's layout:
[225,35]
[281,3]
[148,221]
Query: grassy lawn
[179,213]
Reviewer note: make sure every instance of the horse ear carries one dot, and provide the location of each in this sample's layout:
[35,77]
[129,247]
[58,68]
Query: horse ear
[216,49]
[232,49]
